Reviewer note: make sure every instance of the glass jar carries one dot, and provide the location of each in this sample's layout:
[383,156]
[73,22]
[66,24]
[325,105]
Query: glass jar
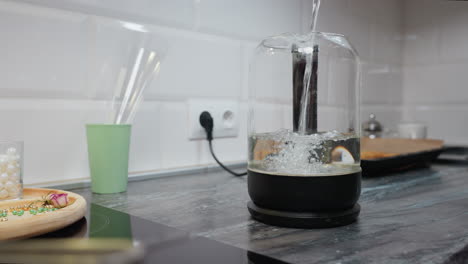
[304,128]
[11,170]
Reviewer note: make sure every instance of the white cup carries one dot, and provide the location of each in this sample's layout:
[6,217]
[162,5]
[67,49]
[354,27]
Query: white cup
[412,130]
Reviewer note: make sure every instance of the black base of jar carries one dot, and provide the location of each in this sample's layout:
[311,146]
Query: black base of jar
[304,219]
[304,193]
[304,201]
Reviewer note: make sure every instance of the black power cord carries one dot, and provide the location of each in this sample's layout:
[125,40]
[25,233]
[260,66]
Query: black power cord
[206,121]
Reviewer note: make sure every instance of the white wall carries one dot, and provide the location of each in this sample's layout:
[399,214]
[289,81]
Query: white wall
[374,27]
[48,92]
[436,67]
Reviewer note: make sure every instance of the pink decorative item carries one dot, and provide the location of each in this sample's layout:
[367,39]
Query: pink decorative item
[58,200]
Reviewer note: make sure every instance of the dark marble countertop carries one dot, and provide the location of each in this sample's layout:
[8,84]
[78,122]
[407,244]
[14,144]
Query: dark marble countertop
[414,217]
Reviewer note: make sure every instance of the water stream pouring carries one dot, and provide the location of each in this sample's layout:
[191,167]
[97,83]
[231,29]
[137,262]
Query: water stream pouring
[305,68]
[304,150]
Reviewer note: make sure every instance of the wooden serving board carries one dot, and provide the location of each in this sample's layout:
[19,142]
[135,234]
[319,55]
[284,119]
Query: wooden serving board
[386,155]
[399,146]
[29,225]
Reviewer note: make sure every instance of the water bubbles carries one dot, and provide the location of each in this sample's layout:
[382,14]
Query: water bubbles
[289,153]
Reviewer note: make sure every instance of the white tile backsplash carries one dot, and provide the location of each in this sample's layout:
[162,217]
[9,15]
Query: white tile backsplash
[43,52]
[146,134]
[454,34]
[176,150]
[249,19]
[248,50]
[361,8]
[381,83]
[360,33]
[180,13]
[387,12]
[331,118]
[60,57]
[436,83]
[421,44]
[386,43]
[332,17]
[447,122]
[420,12]
[53,132]
[181,76]
[435,67]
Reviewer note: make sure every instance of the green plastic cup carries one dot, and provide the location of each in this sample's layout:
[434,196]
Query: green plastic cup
[108,147]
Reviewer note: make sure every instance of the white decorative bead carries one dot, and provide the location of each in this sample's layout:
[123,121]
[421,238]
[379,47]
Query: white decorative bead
[3,163]
[3,194]
[3,159]
[13,159]
[11,151]
[3,177]
[11,169]
[12,192]
[10,182]
[14,176]
[10,186]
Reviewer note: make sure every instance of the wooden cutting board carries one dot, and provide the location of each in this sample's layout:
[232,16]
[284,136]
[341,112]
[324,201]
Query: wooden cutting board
[398,146]
[29,225]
